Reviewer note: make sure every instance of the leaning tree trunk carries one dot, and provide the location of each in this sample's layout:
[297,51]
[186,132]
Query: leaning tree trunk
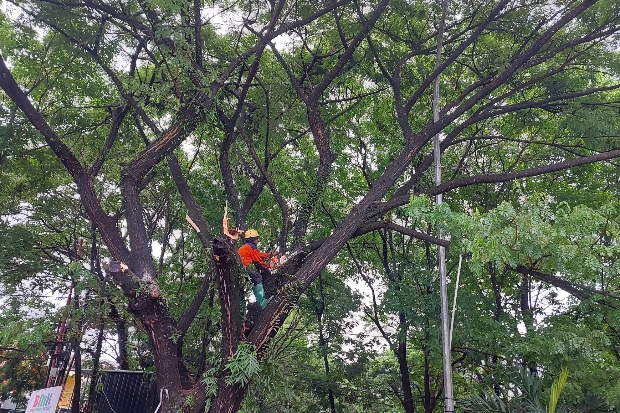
[266,321]
[229,396]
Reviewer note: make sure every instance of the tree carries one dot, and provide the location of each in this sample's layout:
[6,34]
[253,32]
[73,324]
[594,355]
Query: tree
[136,99]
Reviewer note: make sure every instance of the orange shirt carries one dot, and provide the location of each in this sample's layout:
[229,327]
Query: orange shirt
[249,253]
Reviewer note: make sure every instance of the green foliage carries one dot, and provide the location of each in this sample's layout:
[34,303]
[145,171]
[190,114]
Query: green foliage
[22,346]
[556,390]
[210,382]
[526,394]
[108,83]
[243,365]
[552,235]
[571,241]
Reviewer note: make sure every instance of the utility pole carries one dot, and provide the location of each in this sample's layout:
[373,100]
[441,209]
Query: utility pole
[443,288]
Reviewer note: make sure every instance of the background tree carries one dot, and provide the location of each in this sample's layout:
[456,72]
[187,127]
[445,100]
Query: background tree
[319,108]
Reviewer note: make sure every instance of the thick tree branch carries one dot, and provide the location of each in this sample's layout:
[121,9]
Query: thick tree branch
[381,208]
[272,185]
[580,291]
[194,211]
[318,90]
[92,205]
[452,57]
[118,115]
[496,178]
[185,321]
[140,258]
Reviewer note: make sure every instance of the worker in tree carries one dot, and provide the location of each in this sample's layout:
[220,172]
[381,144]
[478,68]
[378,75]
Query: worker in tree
[251,255]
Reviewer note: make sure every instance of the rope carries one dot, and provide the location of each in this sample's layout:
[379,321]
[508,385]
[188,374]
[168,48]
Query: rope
[456,291]
[161,395]
[108,400]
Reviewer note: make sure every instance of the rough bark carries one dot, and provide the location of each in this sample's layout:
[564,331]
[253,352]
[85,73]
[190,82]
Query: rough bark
[229,396]
[161,329]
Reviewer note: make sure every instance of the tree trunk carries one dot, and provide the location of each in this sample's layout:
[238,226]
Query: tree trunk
[403,366]
[123,338]
[330,391]
[323,346]
[526,310]
[319,184]
[497,292]
[161,330]
[75,401]
[77,351]
[427,399]
[401,350]
[228,398]
[95,373]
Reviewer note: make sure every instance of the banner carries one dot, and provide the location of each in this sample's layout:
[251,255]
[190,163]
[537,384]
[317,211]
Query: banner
[44,400]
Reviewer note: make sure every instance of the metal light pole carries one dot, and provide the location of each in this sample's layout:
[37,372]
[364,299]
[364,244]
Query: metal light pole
[443,288]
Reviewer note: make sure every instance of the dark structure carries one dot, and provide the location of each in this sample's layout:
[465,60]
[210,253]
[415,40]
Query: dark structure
[126,392]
